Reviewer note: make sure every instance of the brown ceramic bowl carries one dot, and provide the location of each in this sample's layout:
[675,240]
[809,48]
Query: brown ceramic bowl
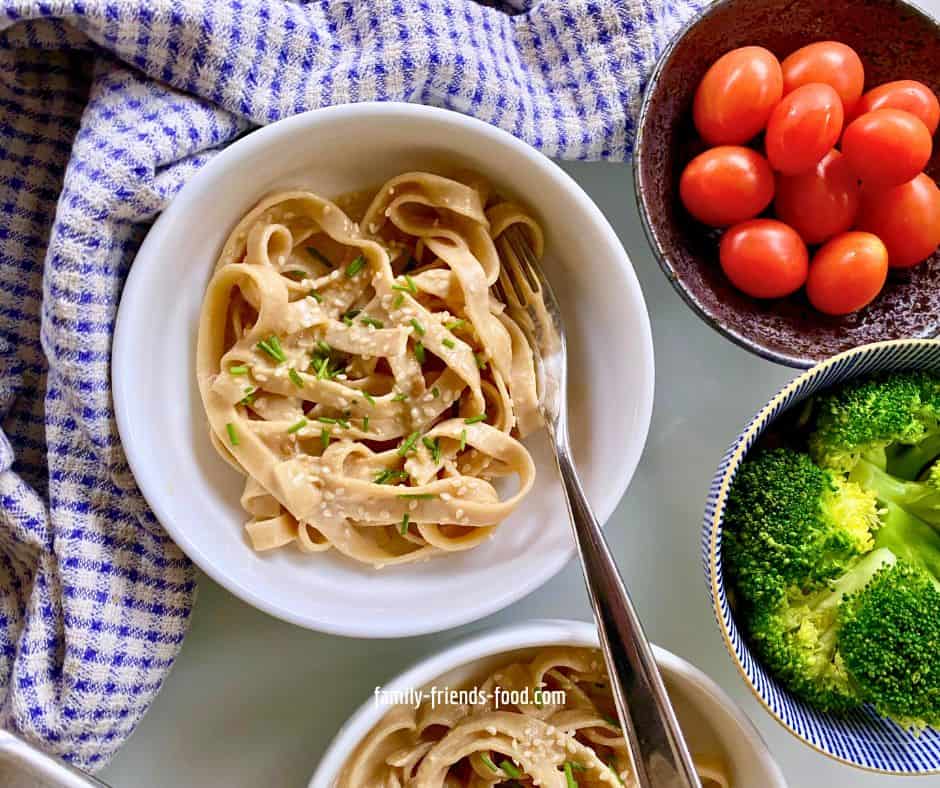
[895,40]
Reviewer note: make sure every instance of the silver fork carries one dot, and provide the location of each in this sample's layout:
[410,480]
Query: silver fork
[660,755]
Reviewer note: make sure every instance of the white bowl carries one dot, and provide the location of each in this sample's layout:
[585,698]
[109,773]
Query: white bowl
[195,495]
[709,718]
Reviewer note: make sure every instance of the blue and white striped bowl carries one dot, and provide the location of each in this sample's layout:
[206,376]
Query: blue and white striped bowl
[862,738]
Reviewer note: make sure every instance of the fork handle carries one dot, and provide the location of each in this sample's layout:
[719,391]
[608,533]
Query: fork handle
[660,755]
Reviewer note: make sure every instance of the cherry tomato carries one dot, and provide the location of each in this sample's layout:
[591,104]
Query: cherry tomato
[831,62]
[847,273]
[726,185]
[764,258]
[887,147]
[803,128]
[821,203]
[907,94]
[736,95]
[906,218]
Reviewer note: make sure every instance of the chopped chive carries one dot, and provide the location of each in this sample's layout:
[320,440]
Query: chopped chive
[348,316]
[295,378]
[326,420]
[510,768]
[611,721]
[419,352]
[450,325]
[417,326]
[238,369]
[463,440]
[315,296]
[481,362]
[489,762]
[321,367]
[249,397]
[371,321]
[232,435]
[369,398]
[475,419]
[297,275]
[297,426]
[408,444]
[418,496]
[578,767]
[569,776]
[323,347]
[389,474]
[365,423]
[433,446]
[325,437]
[272,346]
[399,300]
[435,392]
[400,397]
[320,256]
[404,523]
[344,423]
[408,287]
[355,266]
[448,343]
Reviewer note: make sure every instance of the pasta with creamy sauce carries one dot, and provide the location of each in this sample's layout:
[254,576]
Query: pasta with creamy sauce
[558,730]
[355,367]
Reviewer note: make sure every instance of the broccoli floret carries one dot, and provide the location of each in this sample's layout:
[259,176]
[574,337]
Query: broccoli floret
[892,421]
[798,639]
[790,523]
[921,499]
[889,640]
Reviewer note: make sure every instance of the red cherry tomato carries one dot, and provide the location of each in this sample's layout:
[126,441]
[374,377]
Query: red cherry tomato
[887,147]
[847,273]
[735,97]
[907,94]
[726,185]
[764,258]
[803,128]
[821,203]
[906,218]
[831,62]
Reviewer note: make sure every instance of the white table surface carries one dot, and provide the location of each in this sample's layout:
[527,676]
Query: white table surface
[254,701]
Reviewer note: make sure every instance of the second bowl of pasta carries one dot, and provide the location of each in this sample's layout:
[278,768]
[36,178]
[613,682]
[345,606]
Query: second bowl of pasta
[334,417]
[530,704]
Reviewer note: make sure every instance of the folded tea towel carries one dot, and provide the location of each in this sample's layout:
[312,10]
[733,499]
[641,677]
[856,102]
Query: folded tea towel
[106,108]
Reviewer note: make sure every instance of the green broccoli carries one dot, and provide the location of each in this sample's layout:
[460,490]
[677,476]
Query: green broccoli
[838,586]
[790,523]
[892,421]
[920,498]
[798,639]
[889,640]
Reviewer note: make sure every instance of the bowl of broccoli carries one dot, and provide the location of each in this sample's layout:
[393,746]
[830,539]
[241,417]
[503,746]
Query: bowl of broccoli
[822,553]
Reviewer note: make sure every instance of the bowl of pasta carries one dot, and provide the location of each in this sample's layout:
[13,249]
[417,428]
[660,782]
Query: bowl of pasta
[323,399]
[531,702]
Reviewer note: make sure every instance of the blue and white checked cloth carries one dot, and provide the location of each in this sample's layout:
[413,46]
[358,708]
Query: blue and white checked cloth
[106,108]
